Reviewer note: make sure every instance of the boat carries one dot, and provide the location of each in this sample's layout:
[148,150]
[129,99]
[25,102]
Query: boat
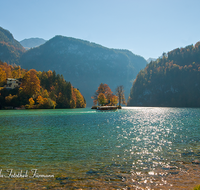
[107,108]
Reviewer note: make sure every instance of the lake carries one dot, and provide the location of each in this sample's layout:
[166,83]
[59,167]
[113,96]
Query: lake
[133,148]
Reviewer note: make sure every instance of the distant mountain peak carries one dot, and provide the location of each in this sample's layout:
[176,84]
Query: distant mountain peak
[32,42]
[150,59]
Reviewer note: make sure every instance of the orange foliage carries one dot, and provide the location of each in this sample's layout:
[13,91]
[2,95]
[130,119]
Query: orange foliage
[189,66]
[113,100]
[10,71]
[31,83]
[2,76]
[105,89]
[158,69]
[40,100]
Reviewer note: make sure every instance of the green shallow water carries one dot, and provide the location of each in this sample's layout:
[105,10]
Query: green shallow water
[83,143]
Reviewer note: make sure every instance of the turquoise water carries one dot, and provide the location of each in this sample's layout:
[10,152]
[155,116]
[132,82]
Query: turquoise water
[83,143]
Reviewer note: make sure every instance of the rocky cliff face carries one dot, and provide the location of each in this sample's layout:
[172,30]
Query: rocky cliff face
[85,64]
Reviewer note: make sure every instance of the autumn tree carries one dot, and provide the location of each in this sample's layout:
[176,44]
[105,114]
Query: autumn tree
[11,71]
[31,103]
[8,70]
[113,100]
[2,76]
[102,99]
[44,93]
[45,102]
[11,100]
[80,102]
[104,89]
[31,83]
[40,100]
[120,94]
[17,72]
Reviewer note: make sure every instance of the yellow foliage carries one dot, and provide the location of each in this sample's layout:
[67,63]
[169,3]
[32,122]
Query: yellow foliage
[49,73]
[113,100]
[80,103]
[31,83]
[31,101]
[45,93]
[9,98]
[102,99]
[40,100]
[45,101]
[2,75]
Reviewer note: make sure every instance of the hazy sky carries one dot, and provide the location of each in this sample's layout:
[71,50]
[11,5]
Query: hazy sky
[145,27]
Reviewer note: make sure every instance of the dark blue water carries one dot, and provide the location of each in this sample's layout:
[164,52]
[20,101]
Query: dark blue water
[130,144]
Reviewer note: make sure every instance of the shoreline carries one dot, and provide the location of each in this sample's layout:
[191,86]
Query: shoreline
[173,178]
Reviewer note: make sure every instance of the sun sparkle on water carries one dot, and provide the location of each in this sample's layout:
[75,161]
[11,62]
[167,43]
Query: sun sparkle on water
[141,147]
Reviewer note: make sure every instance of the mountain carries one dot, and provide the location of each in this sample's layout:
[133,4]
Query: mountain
[10,49]
[32,42]
[85,64]
[150,59]
[173,80]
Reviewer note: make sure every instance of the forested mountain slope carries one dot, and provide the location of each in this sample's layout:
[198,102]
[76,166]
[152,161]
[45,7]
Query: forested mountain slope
[10,49]
[173,80]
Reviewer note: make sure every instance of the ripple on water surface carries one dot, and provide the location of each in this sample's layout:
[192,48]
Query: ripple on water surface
[134,147]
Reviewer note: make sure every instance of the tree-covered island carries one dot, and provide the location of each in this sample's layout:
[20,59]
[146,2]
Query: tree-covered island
[105,97]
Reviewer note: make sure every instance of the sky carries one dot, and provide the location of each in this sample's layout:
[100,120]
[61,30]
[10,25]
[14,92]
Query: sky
[146,27]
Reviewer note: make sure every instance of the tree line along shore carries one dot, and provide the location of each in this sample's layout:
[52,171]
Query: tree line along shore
[36,89]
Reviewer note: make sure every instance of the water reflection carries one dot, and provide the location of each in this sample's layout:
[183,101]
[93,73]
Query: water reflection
[134,147]
[157,138]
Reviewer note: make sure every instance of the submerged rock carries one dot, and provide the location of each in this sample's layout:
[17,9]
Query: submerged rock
[196,162]
[169,167]
[61,178]
[91,172]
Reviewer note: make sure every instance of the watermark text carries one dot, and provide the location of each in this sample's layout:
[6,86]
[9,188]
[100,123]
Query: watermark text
[10,173]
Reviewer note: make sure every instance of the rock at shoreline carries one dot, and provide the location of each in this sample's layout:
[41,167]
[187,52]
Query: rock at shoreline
[196,162]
